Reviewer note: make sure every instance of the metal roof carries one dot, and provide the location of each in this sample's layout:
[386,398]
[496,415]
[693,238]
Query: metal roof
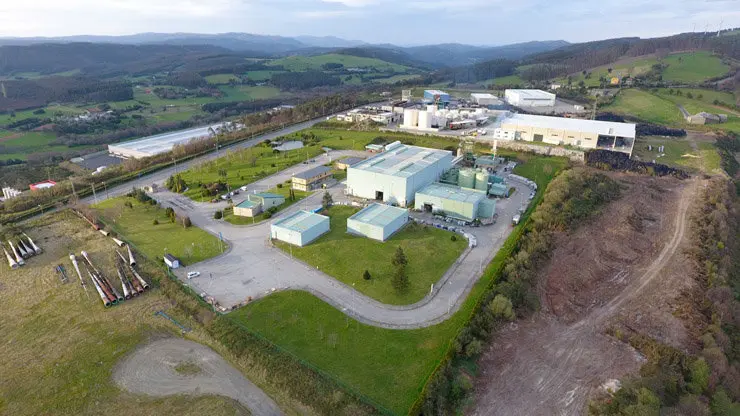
[483,95]
[170,258]
[435,92]
[532,94]
[268,195]
[454,193]
[402,161]
[351,160]
[606,128]
[311,173]
[300,221]
[379,214]
[161,143]
[246,204]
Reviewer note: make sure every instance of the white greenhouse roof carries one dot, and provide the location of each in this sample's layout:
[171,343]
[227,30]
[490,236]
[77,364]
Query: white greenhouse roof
[606,128]
[160,143]
[379,214]
[402,161]
[300,221]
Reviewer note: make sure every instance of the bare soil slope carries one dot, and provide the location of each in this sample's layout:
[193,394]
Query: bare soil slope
[625,266]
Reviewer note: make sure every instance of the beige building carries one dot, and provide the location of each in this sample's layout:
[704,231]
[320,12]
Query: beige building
[311,179]
[587,134]
[706,118]
[256,203]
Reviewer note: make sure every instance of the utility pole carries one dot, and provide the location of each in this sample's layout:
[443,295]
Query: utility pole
[94,195]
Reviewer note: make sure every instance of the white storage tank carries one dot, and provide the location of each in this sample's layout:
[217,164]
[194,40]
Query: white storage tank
[466,178]
[425,120]
[410,117]
[481,181]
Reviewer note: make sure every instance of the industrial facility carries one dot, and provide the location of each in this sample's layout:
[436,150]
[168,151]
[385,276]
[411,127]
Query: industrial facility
[529,98]
[486,100]
[395,175]
[433,119]
[300,228]
[160,143]
[456,202]
[588,134]
[257,203]
[377,221]
[439,98]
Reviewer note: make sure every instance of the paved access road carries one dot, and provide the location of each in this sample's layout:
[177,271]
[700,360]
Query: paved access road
[254,268]
[151,370]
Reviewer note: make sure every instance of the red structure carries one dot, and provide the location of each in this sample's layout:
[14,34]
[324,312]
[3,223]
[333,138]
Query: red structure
[42,185]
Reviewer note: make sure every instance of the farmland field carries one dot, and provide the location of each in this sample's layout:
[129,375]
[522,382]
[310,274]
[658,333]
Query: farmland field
[307,63]
[645,106]
[59,346]
[218,79]
[247,93]
[261,75]
[682,153]
[429,250]
[693,67]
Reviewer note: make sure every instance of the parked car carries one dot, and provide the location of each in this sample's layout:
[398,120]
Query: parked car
[193,274]
[244,188]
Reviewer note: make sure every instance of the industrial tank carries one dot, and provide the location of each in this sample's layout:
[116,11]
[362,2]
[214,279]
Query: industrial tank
[425,120]
[466,178]
[410,117]
[481,181]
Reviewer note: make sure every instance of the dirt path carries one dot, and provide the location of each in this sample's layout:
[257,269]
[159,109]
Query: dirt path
[153,370]
[550,365]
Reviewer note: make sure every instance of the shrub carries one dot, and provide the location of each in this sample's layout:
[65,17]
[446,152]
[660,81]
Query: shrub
[366,275]
[453,237]
[280,185]
[155,222]
[218,215]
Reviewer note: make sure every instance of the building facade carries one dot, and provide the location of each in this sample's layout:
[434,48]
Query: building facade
[454,201]
[300,228]
[395,175]
[529,98]
[311,179]
[257,203]
[377,221]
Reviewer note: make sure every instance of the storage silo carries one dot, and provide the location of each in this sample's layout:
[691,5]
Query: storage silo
[481,181]
[425,120]
[466,178]
[410,117]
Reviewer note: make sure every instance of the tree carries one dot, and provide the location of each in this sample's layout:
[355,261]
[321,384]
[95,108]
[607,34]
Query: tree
[400,278]
[170,214]
[155,222]
[218,215]
[366,275]
[501,307]
[327,201]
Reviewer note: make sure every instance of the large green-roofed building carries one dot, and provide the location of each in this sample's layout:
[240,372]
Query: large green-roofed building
[377,221]
[300,228]
[454,201]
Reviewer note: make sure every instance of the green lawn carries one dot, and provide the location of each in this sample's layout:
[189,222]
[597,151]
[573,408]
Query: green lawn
[630,67]
[218,79]
[306,63]
[243,167]
[705,103]
[24,143]
[693,67]
[190,245]
[390,367]
[646,106]
[284,191]
[679,153]
[429,250]
[247,93]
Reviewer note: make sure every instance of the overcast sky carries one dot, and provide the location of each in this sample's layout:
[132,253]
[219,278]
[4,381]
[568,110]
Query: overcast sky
[488,22]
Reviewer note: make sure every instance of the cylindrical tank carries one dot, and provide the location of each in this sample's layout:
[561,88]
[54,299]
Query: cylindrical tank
[425,120]
[410,117]
[481,181]
[466,178]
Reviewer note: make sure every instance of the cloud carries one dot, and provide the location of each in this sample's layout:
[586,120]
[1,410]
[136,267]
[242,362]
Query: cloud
[323,14]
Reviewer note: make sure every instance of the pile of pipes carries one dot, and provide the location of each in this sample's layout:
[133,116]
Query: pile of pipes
[132,284]
[22,249]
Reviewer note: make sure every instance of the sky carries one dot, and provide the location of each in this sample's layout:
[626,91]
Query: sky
[402,22]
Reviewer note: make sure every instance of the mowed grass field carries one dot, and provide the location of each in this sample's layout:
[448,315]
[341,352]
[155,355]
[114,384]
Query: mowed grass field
[308,63]
[430,252]
[218,79]
[60,346]
[243,167]
[190,245]
[645,106]
[390,367]
[284,191]
[682,153]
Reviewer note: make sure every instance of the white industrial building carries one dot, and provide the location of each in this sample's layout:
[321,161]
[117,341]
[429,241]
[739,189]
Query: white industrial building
[377,221]
[395,175]
[529,98]
[160,143]
[300,228]
[484,99]
[588,134]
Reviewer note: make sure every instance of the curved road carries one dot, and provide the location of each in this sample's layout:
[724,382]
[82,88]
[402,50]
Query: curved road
[152,370]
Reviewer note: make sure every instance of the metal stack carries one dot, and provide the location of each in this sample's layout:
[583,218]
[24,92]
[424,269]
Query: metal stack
[21,248]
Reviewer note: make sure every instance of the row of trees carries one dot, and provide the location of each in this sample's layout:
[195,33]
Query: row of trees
[303,80]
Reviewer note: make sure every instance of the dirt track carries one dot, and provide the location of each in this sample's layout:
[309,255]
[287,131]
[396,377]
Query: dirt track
[151,370]
[550,363]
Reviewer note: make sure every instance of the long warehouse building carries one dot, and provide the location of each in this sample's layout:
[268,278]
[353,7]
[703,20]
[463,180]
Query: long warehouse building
[160,143]
[395,175]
